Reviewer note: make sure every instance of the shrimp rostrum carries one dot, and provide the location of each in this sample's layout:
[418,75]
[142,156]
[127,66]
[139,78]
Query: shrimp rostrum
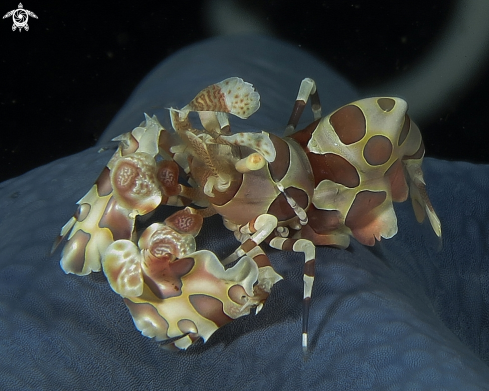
[335,179]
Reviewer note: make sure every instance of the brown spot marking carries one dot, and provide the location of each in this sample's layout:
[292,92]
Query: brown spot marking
[349,124]
[334,168]
[386,104]
[377,150]
[103,183]
[309,268]
[238,294]
[116,220]
[362,213]
[303,136]
[280,166]
[210,308]
[74,251]
[405,130]
[187,326]
[323,221]
[82,212]
[281,209]
[399,188]
[164,278]
[418,154]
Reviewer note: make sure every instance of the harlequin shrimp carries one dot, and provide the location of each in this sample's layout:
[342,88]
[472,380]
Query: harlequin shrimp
[321,185]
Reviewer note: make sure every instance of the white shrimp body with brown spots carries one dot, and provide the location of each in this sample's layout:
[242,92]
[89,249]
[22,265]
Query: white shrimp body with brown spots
[321,185]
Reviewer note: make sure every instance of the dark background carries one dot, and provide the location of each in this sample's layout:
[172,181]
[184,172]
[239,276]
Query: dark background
[64,80]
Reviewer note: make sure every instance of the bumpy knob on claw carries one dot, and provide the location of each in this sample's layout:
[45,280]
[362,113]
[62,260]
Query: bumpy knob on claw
[133,178]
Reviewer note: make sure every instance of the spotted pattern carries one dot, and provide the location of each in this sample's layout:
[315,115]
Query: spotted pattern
[231,95]
[104,215]
[172,290]
[193,294]
[358,155]
[335,178]
[241,98]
